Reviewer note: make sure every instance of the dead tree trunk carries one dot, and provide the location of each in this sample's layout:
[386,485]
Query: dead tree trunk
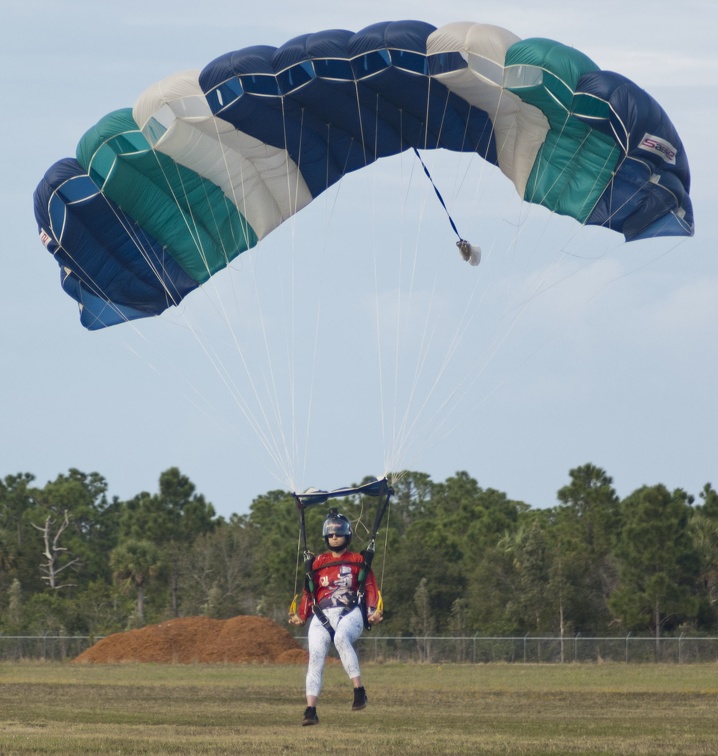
[51,567]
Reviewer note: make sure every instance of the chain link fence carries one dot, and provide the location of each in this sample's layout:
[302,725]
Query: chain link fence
[536,650]
[45,647]
[473,649]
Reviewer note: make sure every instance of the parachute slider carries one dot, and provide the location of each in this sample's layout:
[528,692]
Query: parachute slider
[469,252]
[313,496]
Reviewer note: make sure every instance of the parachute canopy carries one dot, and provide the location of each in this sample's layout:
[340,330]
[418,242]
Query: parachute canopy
[162,196]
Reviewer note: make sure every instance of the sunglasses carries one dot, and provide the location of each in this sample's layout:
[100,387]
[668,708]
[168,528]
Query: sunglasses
[336,535]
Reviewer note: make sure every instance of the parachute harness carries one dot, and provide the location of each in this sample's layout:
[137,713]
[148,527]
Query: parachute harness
[377,488]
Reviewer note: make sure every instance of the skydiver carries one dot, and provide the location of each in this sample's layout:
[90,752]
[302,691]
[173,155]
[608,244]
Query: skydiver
[336,577]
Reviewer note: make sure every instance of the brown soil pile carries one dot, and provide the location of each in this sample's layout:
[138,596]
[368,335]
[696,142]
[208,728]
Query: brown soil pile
[200,640]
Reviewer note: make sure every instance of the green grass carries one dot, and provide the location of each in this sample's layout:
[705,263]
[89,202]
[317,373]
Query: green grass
[413,709]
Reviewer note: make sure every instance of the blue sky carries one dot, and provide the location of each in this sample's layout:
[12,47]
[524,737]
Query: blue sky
[576,348]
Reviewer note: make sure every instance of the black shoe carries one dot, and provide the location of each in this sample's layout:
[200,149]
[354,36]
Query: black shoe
[360,699]
[310,716]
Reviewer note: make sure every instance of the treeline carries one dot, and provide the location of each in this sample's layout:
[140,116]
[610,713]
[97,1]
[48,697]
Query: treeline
[452,557]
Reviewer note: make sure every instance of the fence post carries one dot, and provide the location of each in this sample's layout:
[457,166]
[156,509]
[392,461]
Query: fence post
[575,647]
[627,637]
[525,637]
[680,648]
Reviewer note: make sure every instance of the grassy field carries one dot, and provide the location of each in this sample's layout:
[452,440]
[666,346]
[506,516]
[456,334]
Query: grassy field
[413,709]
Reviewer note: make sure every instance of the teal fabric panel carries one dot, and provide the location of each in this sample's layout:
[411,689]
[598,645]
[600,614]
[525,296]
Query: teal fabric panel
[575,163]
[201,228]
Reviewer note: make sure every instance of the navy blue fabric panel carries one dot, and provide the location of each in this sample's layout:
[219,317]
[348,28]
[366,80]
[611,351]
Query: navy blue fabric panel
[428,116]
[346,99]
[635,111]
[348,121]
[654,178]
[278,121]
[394,86]
[109,255]
[331,43]
[96,312]
[255,59]
[352,119]
[402,35]
[668,225]
[640,208]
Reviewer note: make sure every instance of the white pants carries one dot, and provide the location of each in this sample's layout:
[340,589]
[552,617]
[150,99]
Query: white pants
[347,630]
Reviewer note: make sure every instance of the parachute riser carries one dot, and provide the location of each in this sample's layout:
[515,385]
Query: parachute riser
[302,525]
[308,559]
[368,554]
[307,556]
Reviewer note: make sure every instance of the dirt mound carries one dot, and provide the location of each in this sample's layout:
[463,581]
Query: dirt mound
[198,640]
